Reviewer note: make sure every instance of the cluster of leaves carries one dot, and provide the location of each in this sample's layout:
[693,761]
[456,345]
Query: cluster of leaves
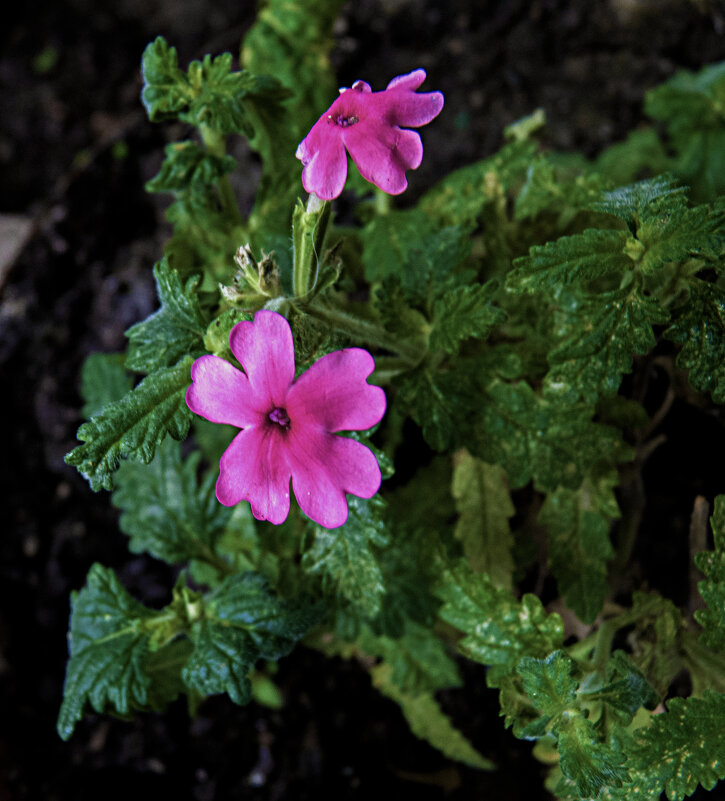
[504,309]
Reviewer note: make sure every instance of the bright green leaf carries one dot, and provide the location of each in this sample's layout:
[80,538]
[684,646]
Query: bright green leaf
[176,329]
[134,426]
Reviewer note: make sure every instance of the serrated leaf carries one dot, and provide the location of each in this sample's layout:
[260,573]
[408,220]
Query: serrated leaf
[166,511]
[460,198]
[699,327]
[417,659]
[103,380]
[690,105]
[462,313]
[427,721]
[166,89]
[134,426]
[173,331]
[484,506]
[242,621]
[712,590]
[597,339]
[444,403]
[406,244]
[548,682]
[189,167]
[578,523]
[595,253]
[108,649]
[584,759]
[633,203]
[679,750]
[499,629]
[641,153]
[346,557]
[536,438]
[544,191]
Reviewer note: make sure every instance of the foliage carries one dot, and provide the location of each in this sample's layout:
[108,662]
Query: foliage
[505,310]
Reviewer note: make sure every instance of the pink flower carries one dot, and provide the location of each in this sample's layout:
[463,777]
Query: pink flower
[368,124]
[287,424]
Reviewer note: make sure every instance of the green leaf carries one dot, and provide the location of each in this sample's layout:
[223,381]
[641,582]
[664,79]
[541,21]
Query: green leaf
[166,511]
[578,523]
[103,380]
[166,90]
[428,722]
[679,750]
[484,506]
[591,764]
[464,312]
[535,437]
[241,622]
[460,198]
[633,203]
[597,338]
[188,167]
[406,244]
[641,153]
[699,327]
[549,683]
[595,253]
[175,330]
[712,590]
[134,426]
[417,658]
[690,105]
[499,629]
[443,402]
[346,557]
[544,191]
[108,645]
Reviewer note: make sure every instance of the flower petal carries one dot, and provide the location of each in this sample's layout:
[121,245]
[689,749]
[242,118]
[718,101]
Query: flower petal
[334,394]
[254,468]
[323,156]
[221,393]
[410,81]
[325,467]
[266,351]
[411,109]
[383,154]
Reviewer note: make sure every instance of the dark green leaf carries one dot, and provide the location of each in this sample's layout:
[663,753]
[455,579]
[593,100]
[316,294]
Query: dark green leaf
[634,203]
[699,326]
[189,167]
[242,621]
[712,564]
[534,437]
[103,380]
[464,312]
[166,511]
[108,646]
[597,338]
[499,629]
[346,557]
[175,330]
[134,426]
[484,506]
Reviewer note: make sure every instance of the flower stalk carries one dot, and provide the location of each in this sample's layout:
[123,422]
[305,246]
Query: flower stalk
[309,226]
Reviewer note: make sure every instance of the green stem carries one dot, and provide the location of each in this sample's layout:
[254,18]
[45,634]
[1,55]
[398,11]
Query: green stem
[309,226]
[365,331]
[215,143]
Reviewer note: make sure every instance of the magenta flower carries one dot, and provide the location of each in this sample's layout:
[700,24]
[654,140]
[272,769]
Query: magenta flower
[287,424]
[368,124]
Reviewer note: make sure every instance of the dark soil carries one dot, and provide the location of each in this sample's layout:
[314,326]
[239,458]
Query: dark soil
[75,150]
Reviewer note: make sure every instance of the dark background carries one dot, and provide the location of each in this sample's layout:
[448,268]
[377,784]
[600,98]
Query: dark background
[75,150]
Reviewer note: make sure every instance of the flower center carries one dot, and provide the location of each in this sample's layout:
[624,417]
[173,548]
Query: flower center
[341,120]
[279,416]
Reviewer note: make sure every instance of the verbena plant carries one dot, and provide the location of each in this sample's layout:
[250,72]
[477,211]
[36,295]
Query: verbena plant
[503,311]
